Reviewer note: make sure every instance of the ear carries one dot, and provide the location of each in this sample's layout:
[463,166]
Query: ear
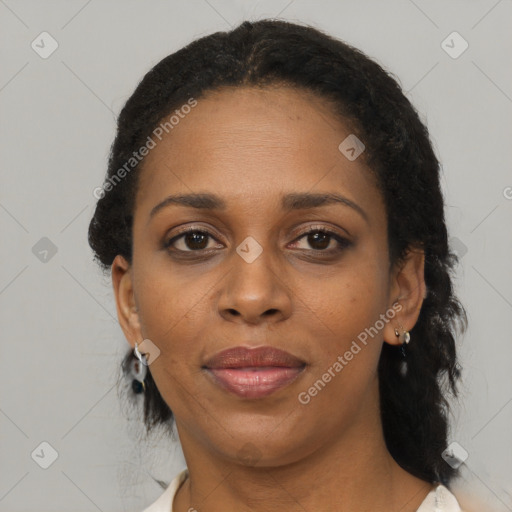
[407,292]
[127,312]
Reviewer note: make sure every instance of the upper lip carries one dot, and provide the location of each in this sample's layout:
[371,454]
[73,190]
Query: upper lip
[244,357]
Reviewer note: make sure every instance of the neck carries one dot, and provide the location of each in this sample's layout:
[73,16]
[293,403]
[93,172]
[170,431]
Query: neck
[353,473]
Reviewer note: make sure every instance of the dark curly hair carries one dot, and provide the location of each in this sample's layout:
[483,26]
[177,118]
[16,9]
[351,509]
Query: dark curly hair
[414,407]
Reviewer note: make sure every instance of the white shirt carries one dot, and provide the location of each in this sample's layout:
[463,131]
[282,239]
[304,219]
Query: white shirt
[439,499]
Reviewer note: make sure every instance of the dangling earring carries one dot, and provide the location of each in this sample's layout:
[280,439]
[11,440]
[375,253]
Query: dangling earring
[404,338]
[138,370]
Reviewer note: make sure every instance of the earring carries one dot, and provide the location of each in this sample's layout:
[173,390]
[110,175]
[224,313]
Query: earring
[404,338]
[138,370]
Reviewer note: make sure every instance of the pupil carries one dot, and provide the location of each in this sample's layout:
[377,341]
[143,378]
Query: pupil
[193,240]
[319,237]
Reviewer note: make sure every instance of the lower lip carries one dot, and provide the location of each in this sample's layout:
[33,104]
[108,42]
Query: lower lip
[254,382]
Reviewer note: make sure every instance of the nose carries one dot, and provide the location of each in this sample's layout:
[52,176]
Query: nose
[255,292]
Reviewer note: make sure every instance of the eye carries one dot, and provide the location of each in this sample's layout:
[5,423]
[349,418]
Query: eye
[190,240]
[320,239]
[324,240]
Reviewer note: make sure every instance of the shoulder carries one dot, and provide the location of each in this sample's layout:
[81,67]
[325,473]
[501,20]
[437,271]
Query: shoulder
[165,500]
[440,499]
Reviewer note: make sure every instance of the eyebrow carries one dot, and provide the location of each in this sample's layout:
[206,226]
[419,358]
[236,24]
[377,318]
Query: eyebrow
[293,201]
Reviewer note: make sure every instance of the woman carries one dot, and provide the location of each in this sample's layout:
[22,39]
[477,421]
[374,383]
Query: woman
[274,225]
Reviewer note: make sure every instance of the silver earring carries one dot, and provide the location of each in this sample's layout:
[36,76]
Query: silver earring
[139,371]
[404,338]
[139,356]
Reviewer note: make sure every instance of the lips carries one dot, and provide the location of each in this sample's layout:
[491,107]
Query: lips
[253,373]
[243,357]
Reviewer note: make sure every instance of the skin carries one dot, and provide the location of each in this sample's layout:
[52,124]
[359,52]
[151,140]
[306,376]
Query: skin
[251,146]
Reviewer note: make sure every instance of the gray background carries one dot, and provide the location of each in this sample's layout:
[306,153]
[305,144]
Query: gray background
[61,343]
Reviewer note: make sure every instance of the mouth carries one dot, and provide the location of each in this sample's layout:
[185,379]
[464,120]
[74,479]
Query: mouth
[253,373]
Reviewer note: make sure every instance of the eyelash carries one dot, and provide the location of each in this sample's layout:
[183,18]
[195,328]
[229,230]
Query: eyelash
[343,243]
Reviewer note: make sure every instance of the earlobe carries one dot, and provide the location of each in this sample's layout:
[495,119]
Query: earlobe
[127,312]
[408,289]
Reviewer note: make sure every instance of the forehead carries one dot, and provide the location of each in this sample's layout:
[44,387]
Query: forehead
[263,140]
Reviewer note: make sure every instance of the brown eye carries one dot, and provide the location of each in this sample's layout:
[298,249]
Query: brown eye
[196,240]
[323,240]
[319,240]
[190,241]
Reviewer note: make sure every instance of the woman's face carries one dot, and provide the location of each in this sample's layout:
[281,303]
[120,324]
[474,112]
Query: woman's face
[256,279]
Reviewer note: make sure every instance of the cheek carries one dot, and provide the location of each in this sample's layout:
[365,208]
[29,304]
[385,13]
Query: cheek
[167,307]
[347,303]
[347,338]
[344,363]
[168,310]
